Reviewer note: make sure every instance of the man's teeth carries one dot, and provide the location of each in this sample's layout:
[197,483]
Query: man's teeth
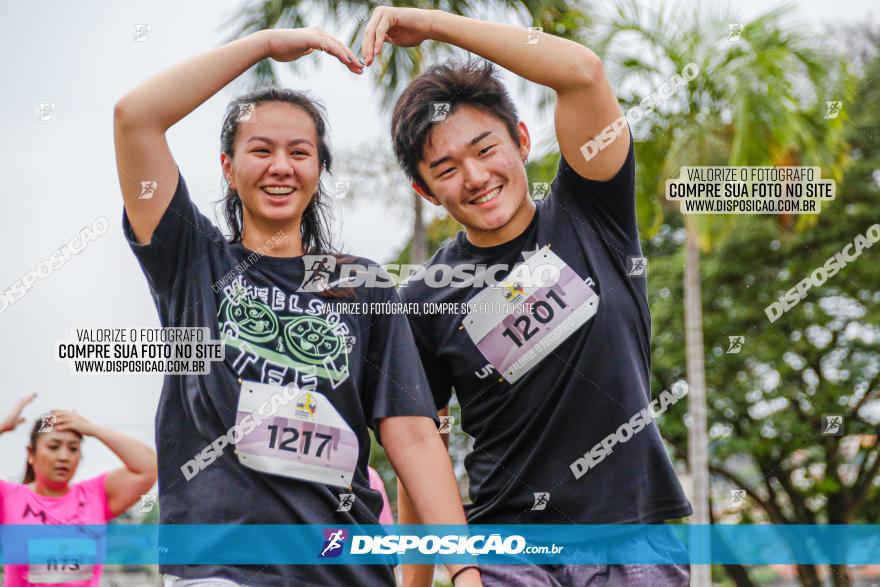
[488,196]
[278,191]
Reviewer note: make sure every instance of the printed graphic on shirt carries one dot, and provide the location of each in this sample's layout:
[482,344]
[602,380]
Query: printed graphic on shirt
[305,439]
[540,316]
[283,335]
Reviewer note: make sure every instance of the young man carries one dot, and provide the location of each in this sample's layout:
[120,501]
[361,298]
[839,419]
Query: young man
[552,353]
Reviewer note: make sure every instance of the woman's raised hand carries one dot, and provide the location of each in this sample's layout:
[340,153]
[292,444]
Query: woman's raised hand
[291,44]
[67,420]
[11,421]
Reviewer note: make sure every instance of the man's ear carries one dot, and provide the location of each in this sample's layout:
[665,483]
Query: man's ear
[425,194]
[525,141]
[226,166]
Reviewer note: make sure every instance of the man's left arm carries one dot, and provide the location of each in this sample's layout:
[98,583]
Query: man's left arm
[585,102]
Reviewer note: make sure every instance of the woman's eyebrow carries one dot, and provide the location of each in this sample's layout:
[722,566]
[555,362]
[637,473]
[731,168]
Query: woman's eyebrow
[271,142]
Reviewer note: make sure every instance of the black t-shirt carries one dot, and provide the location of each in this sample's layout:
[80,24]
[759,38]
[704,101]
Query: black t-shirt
[541,387]
[365,366]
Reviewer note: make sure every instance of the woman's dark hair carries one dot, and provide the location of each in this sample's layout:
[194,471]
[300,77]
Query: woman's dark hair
[32,445]
[315,220]
[472,83]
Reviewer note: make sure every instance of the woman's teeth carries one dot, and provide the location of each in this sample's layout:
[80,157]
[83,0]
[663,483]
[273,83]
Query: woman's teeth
[278,191]
[491,195]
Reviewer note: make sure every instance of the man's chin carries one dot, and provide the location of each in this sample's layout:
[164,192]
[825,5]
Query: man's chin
[492,222]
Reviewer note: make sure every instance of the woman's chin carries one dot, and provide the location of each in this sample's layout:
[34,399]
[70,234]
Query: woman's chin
[280,214]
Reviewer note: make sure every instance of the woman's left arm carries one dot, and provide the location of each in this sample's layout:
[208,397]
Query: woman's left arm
[126,485]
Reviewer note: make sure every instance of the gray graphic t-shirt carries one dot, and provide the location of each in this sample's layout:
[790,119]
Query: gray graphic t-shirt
[307,462]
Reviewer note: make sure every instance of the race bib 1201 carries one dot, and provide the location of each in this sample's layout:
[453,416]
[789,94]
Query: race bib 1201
[304,438]
[537,316]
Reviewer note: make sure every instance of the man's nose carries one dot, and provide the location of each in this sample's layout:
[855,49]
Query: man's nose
[475,174]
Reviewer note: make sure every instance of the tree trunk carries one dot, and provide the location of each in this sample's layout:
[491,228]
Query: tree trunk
[698,442]
[840,577]
[735,572]
[418,249]
[739,575]
[809,575]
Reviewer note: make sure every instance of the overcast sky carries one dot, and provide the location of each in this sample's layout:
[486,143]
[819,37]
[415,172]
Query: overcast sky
[60,177]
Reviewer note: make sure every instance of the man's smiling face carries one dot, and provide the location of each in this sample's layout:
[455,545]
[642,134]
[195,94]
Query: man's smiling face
[474,169]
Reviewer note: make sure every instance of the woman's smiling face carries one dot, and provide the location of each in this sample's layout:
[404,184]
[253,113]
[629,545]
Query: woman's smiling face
[275,166]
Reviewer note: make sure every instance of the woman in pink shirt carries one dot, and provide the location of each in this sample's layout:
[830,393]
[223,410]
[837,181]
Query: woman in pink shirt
[377,484]
[46,496]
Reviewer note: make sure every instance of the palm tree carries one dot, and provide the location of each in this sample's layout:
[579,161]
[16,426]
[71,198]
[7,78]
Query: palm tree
[394,69]
[753,103]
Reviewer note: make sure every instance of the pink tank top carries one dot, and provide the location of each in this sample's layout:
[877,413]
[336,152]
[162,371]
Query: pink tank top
[377,485]
[84,503]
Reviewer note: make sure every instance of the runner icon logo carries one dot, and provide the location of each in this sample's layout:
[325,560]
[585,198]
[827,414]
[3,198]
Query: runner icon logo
[439,110]
[333,542]
[832,425]
[540,189]
[318,271]
[736,344]
[541,499]
[47,423]
[737,498]
[346,500]
[446,423]
[636,266]
[147,503]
